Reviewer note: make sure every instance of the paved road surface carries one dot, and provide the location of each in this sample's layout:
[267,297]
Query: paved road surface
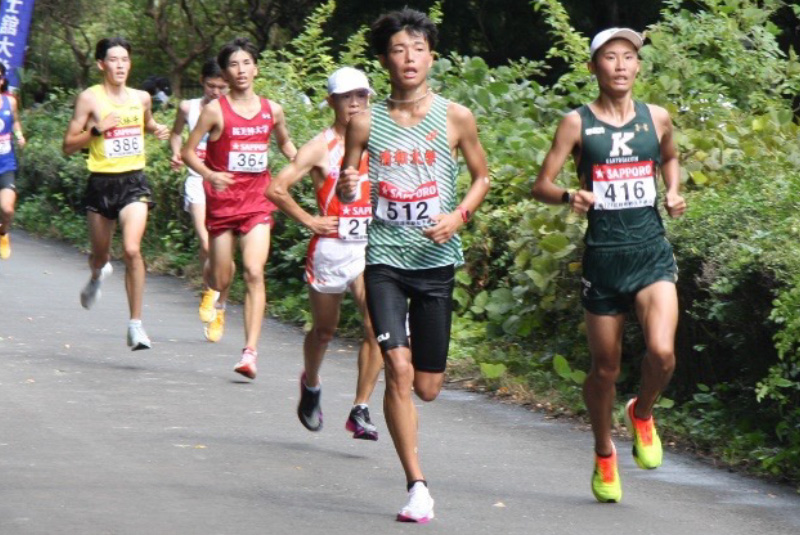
[95,439]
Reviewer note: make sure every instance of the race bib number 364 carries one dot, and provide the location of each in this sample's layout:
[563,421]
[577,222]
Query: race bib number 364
[248,158]
[120,142]
[624,186]
[409,208]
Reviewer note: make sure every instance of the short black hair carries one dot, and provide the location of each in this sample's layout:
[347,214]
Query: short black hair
[240,43]
[413,21]
[210,69]
[104,45]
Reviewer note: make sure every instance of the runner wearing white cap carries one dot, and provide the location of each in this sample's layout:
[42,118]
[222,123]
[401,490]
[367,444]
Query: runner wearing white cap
[620,145]
[335,261]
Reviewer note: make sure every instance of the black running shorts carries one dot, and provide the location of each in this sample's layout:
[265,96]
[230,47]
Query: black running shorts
[7,180]
[108,193]
[426,296]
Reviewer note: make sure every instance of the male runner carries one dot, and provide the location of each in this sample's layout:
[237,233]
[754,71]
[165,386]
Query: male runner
[194,199]
[235,179]
[335,261]
[413,138]
[111,118]
[619,146]
[9,124]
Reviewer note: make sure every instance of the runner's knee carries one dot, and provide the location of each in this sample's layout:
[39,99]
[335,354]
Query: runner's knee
[662,358]
[253,274]
[322,335]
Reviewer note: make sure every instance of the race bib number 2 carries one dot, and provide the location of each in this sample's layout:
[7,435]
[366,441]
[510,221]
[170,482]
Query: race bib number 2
[248,158]
[354,222]
[120,142]
[408,208]
[624,186]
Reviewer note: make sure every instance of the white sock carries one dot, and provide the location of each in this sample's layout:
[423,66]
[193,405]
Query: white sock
[135,323]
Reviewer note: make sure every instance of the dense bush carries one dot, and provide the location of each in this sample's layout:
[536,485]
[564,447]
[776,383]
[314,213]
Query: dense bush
[729,89]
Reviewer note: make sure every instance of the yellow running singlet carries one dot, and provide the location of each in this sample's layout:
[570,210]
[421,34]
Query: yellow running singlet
[120,149]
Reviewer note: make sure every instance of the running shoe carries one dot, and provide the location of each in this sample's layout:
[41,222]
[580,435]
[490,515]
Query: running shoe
[606,486]
[5,246]
[91,292]
[647,450]
[207,302]
[360,425]
[247,364]
[216,327]
[309,410]
[419,507]
[137,338]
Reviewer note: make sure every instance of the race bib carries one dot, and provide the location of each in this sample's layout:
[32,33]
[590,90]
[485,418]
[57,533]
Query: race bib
[248,158]
[354,222]
[120,142]
[408,208]
[202,148]
[5,143]
[624,185]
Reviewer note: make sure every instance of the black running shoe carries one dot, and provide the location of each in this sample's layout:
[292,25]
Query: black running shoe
[360,425]
[309,409]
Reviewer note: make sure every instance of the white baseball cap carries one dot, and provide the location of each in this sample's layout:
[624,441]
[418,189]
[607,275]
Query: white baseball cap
[348,79]
[615,33]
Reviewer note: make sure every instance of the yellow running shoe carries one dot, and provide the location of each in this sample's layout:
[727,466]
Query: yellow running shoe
[5,246]
[207,302]
[606,486]
[647,450]
[216,327]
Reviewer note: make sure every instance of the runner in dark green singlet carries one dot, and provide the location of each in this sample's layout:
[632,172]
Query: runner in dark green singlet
[620,147]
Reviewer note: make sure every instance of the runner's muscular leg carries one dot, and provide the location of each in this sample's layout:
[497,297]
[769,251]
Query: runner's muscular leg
[324,320]
[132,222]
[657,309]
[370,360]
[604,334]
[101,231]
[8,198]
[220,260]
[255,251]
[399,409]
[198,213]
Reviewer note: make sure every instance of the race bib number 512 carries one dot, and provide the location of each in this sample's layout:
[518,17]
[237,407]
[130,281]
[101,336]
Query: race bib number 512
[410,208]
[623,186]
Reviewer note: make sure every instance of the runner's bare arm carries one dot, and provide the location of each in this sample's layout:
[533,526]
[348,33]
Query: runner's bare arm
[17,126]
[281,131]
[310,156]
[355,143]
[78,132]
[210,121]
[161,131]
[670,165]
[463,131]
[176,136]
[566,139]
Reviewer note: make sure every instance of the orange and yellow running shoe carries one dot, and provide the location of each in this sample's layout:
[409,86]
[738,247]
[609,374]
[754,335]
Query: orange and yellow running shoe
[647,450]
[216,327]
[207,303]
[606,486]
[5,246]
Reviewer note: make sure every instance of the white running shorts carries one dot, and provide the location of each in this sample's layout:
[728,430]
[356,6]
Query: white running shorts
[333,264]
[193,191]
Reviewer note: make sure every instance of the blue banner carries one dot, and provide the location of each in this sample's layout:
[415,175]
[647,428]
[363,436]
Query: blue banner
[15,19]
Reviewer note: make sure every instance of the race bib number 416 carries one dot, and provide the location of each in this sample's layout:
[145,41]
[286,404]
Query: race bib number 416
[120,142]
[624,185]
[248,158]
[410,208]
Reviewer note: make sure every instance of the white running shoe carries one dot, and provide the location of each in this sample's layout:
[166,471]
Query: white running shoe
[91,292]
[419,507]
[137,338]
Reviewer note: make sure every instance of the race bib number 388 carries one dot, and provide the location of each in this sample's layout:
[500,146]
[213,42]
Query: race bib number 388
[248,158]
[409,208]
[120,142]
[624,185]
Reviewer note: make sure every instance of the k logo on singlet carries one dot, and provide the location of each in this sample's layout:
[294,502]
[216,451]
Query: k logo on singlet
[620,146]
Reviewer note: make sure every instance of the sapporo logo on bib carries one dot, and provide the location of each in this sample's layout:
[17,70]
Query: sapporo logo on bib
[122,141]
[354,222]
[246,157]
[409,208]
[624,185]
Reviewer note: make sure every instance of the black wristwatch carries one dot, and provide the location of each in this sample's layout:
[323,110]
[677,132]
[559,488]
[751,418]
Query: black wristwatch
[96,131]
[566,197]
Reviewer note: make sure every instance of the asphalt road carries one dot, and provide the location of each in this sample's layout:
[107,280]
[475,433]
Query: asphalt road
[96,439]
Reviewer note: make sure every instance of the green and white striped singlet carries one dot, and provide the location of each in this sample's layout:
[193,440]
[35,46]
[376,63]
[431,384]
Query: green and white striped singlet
[405,165]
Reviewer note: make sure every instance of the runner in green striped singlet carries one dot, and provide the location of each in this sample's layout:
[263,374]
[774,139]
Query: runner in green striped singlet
[412,250]
[620,146]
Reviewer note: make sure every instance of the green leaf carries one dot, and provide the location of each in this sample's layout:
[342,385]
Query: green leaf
[554,243]
[561,366]
[578,376]
[492,371]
